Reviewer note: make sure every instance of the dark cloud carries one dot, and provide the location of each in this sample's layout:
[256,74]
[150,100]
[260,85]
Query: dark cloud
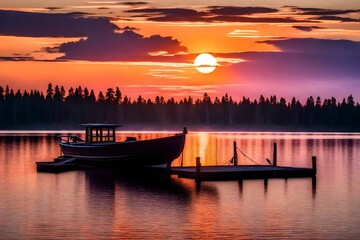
[51,49]
[169,14]
[255,19]
[212,14]
[303,57]
[310,65]
[228,10]
[16,58]
[53,8]
[290,66]
[78,14]
[127,28]
[317,46]
[29,24]
[337,18]
[133,3]
[112,46]
[238,14]
[307,28]
[321,11]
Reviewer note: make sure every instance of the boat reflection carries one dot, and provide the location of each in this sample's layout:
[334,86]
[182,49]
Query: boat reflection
[132,203]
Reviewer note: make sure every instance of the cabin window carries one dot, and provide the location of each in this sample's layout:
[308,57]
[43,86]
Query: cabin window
[111,135]
[105,134]
[100,134]
[95,135]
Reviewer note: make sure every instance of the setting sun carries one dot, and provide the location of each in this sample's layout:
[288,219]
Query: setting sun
[205,63]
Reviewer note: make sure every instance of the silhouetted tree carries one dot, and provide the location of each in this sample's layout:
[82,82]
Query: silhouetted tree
[49,92]
[2,93]
[101,97]
[78,106]
[118,95]
[110,95]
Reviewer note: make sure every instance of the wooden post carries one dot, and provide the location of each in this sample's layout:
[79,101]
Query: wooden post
[235,155]
[198,170]
[182,158]
[314,165]
[313,184]
[275,156]
[240,182]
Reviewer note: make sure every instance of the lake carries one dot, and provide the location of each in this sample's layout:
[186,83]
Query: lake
[101,204]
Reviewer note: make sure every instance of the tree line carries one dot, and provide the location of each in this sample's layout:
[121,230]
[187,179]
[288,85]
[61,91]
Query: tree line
[60,108]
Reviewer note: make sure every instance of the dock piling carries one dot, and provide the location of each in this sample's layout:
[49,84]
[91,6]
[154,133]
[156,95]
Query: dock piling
[240,183]
[275,156]
[314,165]
[198,173]
[198,169]
[235,155]
[313,184]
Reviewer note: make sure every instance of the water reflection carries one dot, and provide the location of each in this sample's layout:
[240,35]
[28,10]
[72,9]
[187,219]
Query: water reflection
[93,204]
[134,203]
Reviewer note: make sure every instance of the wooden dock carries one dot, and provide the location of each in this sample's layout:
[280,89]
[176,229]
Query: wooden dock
[202,173]
[224,173]
[60,164]
[241,172]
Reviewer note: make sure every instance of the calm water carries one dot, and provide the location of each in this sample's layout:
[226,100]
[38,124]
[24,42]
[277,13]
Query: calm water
[92,204]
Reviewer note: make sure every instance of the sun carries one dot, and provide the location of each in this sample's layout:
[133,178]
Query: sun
[205,63]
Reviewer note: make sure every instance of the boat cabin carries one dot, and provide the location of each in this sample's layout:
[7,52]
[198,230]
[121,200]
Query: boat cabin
[100,132]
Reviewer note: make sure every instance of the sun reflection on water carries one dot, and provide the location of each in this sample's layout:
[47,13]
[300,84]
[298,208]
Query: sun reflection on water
[92,204]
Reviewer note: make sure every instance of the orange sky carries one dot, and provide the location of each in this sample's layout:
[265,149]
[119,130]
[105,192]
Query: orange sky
[242,38]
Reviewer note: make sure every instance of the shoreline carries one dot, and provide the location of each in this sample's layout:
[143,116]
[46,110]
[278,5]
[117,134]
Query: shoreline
[190,128]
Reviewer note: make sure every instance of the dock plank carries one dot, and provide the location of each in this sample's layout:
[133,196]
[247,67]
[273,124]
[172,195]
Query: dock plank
[218,173]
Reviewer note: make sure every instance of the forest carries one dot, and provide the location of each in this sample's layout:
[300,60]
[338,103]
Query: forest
[58,108]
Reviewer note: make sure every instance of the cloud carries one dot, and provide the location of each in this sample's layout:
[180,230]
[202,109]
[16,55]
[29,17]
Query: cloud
[112,46]
[211,14]
[256,19]
[17,58]
[307,28]
[128,28]
[227,10]
[318,46]
[337,18]
[53,8]
[321,11]
[101,42]
[169,14]
[298,69]
[133,3]
[17,23]
[314,66]
[78,14]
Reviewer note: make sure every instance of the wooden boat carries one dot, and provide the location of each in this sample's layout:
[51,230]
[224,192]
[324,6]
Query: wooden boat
[100,148]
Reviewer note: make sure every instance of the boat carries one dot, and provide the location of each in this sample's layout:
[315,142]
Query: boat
[101,148]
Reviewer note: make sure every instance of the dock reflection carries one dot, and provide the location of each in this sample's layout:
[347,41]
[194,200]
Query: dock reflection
[130,202]
[169,187]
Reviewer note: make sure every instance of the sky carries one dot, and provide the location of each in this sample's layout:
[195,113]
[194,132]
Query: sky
[296,48]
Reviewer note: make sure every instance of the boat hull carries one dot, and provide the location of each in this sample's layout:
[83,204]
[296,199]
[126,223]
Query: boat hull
[128,153]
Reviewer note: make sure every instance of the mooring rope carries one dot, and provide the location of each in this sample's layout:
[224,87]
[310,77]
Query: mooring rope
[247,156]
[228,162]
[232,159]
